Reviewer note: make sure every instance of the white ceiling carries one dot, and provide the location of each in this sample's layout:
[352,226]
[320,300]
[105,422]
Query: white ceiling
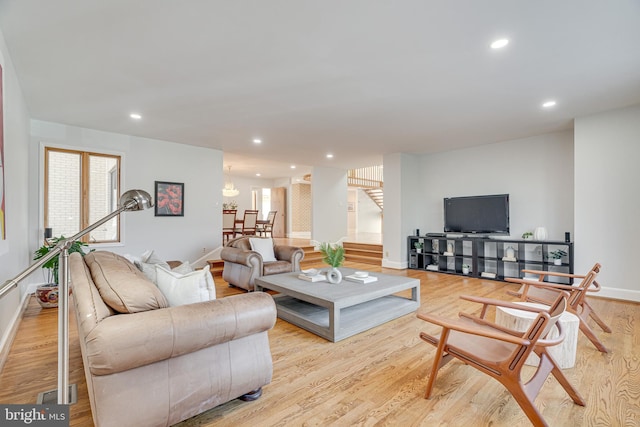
[357,78]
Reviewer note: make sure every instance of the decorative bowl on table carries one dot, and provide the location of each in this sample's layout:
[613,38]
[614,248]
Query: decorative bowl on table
[361,274]
[310,272]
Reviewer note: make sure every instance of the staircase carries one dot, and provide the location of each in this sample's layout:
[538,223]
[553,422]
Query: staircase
[377,195]
[365,253]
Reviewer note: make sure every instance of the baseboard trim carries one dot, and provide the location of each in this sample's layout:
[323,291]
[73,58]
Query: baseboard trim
[7,339]
[618,294]
[394,264]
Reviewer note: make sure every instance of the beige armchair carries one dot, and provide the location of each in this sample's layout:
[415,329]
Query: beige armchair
[242,265]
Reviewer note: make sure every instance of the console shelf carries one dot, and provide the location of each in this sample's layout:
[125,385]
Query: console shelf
[488,258]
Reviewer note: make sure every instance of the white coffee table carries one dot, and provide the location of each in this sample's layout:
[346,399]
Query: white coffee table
[338,311]
[519,320]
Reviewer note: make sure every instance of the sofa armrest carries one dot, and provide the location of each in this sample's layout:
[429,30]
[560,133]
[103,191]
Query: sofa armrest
[293,254]
[241,256]
[127,341]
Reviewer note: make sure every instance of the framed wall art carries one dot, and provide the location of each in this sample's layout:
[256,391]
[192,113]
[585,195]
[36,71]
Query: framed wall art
[169,198]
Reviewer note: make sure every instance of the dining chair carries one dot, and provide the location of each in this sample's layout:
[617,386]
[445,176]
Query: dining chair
[249,221]
[228,224]
[266,228]
[501,352]
[542,292]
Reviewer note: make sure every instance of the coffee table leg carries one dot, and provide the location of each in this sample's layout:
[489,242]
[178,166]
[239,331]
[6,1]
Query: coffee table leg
[334,321]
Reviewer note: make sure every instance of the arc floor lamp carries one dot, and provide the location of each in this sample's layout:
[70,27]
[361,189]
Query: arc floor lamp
[132,200]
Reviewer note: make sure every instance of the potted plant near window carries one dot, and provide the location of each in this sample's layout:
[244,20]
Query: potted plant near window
[557,256]
[334,256]
[47,293]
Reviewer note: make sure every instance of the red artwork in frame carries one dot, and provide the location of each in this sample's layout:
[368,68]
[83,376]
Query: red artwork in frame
[169,198]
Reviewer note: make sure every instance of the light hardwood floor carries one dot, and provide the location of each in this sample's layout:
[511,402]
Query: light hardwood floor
[377,377]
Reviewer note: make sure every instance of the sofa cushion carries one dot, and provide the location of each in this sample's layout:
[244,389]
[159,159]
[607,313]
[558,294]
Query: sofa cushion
[189,288]
[121,285]
[147,264]
[264,247]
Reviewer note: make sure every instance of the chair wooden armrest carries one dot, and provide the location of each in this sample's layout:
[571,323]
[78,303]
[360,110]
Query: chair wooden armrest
[467,328]
[554,273]
[486,302]
[485,322]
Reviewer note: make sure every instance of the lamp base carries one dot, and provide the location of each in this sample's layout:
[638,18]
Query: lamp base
[51,397]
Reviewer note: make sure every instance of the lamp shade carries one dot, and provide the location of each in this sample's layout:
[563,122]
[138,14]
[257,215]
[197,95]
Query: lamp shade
[136,200]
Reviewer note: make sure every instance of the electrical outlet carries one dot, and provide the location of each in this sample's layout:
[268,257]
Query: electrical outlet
[204,251]
[386,254]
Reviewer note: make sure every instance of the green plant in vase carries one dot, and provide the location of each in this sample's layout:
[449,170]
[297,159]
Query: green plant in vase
[557,256]
[53,264]
[333,255]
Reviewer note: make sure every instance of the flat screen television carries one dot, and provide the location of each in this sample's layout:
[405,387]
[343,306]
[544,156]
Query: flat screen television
[477,214]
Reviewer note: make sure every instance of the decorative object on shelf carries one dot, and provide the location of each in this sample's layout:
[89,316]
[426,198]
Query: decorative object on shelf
[47,293]
[509,254]
[333,254]
[540,233]
[229,189]
[169,198]
[527,235]
[465,268]
[432,267]
[232,205]
[557,256]
[418,246]
[449,251]
[435,246]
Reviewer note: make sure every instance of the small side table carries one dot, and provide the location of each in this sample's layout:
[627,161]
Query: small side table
[519,320]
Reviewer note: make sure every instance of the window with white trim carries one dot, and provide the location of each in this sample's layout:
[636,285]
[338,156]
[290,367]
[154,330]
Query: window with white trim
[80,188]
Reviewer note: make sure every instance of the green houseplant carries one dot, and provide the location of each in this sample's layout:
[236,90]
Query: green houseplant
[557,256]
[334,256]
[527,235]
[53,264]
[418,246]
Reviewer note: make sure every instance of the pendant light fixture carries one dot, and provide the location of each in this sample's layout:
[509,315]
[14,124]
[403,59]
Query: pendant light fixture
[229,189]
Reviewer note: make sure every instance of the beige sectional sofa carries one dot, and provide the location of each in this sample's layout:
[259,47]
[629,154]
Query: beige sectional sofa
[148,364]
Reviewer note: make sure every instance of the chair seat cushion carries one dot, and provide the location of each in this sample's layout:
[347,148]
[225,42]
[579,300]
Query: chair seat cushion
[276,267]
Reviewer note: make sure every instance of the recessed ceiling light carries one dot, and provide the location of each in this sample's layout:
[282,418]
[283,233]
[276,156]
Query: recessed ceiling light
[329,156]
[499,44]
[257,141]
[135,116]
[549,104]
[293,166]
[258,174]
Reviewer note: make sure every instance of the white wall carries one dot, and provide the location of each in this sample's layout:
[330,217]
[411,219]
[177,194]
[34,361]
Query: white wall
[536,172]
[15,254]
[144,162]
[369,215]
[329,204]
[607,199]
[405,206]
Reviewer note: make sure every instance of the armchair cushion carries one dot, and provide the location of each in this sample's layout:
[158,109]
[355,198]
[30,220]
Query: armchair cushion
[189,288]
[121,285]
[264,247]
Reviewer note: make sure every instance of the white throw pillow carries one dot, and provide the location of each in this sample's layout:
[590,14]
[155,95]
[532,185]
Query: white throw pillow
[147,264]
[264,247]
[180,289]
[183,268]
